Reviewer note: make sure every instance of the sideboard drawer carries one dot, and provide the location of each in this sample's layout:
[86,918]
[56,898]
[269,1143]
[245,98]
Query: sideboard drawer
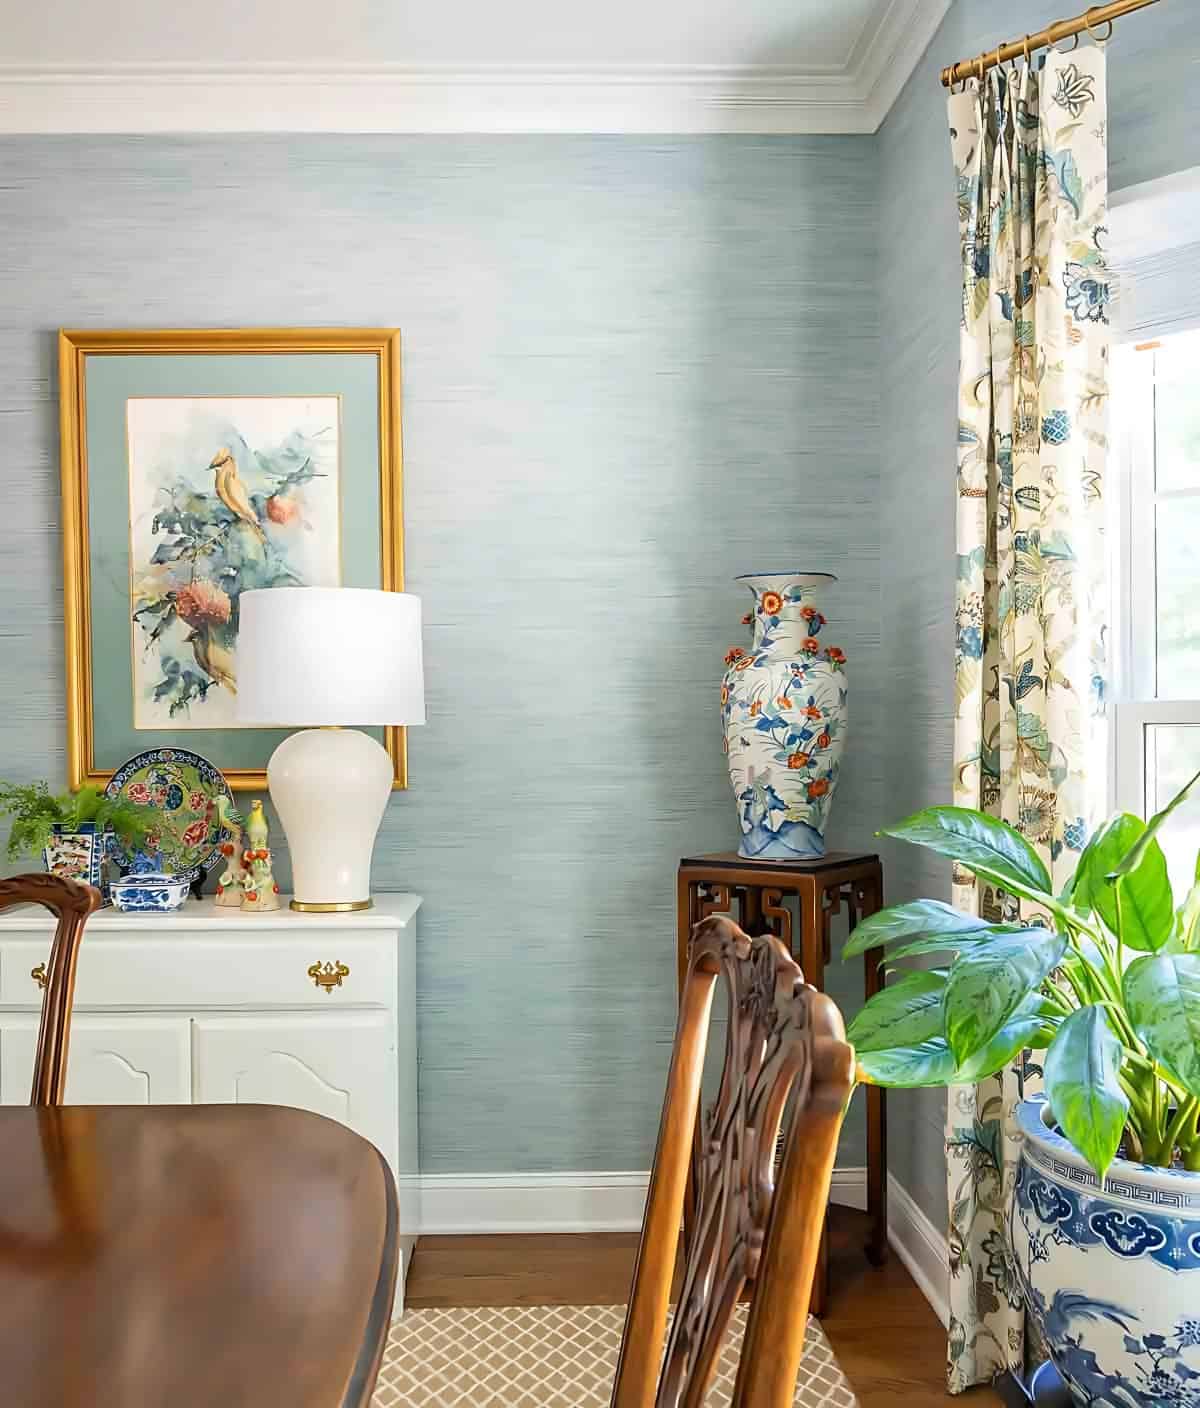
[327,969]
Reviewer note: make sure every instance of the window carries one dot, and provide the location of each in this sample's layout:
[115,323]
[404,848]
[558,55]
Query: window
[1156,445]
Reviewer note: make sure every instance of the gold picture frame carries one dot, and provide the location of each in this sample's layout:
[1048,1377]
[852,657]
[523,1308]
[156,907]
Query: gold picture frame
[75,349]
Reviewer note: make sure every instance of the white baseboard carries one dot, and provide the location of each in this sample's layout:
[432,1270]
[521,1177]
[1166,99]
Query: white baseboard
[477,1204]
[922,1248]
[481,1203]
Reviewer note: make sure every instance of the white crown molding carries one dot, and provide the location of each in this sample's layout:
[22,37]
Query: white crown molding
[224,98]
[893,53]
[482,1203]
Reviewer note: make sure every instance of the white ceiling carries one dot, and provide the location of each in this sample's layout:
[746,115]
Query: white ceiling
[813,33]
[458,65]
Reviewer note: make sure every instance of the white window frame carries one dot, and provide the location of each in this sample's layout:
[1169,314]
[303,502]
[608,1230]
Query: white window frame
[1135,706]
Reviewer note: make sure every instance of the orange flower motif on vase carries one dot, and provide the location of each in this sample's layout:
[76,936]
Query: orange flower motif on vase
[771,603]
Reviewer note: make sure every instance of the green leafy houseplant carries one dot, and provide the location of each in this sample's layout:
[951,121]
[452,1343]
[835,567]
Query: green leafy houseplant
[35,811]
[1105,980]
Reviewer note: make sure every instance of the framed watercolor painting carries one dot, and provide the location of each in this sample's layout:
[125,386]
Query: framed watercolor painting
[197,465]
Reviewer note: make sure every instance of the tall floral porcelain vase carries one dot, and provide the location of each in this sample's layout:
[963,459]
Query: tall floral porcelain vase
[783,705]
[1112,1274]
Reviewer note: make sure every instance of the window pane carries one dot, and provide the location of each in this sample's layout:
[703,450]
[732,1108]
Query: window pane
[1177,605]
[1177,412]
[1172,757]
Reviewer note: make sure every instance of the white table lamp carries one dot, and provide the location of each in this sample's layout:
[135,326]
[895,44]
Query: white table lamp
[318,658]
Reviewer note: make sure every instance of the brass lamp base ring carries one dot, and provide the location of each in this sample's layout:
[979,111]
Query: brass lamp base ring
[334,907]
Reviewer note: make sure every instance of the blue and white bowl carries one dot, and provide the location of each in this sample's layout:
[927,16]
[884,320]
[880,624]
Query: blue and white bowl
[150,892]
[1111,1274]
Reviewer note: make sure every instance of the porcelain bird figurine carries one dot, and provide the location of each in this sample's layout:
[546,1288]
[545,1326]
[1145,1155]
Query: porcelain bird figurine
[259,890]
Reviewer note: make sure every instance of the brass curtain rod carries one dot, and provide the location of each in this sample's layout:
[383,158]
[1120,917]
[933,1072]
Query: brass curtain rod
[1043,39]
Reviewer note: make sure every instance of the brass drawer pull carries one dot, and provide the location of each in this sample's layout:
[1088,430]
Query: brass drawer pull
[38,975]
[328,975]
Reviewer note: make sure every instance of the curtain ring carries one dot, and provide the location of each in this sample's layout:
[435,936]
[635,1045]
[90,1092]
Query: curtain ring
[1026,49]
[1074,46]
[1095,38]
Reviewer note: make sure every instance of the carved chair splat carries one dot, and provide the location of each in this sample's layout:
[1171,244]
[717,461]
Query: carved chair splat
[784,1039]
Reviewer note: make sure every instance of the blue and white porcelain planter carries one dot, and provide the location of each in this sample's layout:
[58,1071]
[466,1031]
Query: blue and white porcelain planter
[1112,1274]
[783,706]
[78,854]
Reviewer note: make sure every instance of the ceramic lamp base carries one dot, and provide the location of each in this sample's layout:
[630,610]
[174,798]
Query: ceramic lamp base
[330,787]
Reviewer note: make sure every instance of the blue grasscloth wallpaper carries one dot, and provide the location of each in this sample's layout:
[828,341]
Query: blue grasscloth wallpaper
[633,368]
[1154,129]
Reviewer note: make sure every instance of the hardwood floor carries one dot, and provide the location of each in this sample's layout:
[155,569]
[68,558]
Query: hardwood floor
[890,1343]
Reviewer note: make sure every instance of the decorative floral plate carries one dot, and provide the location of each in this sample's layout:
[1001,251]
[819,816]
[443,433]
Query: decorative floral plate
[184,787]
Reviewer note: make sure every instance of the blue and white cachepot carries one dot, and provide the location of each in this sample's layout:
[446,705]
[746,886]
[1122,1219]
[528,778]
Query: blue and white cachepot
[1112,1274]
[783,706]
[79,854]
[150,892]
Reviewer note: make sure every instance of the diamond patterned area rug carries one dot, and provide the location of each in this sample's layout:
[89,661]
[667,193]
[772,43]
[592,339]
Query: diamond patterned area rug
[543,1356]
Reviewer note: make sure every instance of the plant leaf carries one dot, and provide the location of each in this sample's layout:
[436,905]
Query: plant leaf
[909,1067]
[989,847]
[1134,858]
[904,921]
[949,943]
[905,1013]
[1162,993]
[1032,1025]
[988,984]
[1146,902]
[1081,1070]
[1189,914]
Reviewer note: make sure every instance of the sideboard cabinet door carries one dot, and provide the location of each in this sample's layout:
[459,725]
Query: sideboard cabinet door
[341,1065]
[126,1060]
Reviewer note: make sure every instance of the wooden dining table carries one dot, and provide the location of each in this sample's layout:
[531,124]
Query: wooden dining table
[191,1256]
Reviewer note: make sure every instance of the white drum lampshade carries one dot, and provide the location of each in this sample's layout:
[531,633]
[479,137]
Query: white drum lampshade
[318,659]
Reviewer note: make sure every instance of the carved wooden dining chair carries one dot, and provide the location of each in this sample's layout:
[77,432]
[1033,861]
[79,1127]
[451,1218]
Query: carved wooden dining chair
[785,1045]
[70,902]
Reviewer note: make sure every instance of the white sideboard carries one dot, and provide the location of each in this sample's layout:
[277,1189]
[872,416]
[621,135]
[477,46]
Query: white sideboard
[209,1005]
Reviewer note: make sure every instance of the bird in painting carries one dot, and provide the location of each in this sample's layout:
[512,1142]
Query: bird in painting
[232,492]
[214,659]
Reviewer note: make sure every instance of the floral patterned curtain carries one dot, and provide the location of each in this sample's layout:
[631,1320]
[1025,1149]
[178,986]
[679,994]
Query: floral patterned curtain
[1030,161]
